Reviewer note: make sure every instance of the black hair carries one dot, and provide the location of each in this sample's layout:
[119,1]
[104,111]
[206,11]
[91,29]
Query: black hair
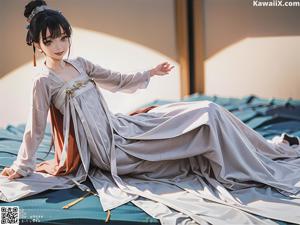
[51,19]
[48,18]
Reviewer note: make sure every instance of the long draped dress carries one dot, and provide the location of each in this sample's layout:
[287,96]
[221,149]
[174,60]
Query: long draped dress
[182,163]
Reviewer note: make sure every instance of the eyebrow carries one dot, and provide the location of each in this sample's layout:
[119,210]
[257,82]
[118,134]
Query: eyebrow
[49,37]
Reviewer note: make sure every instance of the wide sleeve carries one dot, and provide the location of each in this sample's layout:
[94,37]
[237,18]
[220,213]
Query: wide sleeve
[35,127]
[116,81]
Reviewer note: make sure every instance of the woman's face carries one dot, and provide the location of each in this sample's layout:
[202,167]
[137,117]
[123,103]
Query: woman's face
[55,48]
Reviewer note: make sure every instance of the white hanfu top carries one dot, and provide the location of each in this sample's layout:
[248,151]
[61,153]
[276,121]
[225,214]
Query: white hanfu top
[180,162]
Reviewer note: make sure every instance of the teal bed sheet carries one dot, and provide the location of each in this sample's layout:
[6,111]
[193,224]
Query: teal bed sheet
[269,117]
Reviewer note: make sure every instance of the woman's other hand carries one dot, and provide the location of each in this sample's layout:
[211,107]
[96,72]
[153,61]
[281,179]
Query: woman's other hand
[7,171]
[161,69]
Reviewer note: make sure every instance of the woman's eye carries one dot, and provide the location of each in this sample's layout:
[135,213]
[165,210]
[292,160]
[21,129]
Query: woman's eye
[64,38]
[47,43]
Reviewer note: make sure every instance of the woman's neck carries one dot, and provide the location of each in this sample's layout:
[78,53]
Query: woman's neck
[56,65]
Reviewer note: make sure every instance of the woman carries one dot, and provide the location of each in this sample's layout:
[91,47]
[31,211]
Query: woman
[172,145]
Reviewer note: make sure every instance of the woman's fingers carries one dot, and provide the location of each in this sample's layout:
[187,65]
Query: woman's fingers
[167,67]
[10,173]
[2,172]
[5,172]
[14,176]
[163,68]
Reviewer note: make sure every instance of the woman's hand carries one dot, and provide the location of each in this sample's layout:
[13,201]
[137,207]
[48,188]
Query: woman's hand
[7,171]
[161,69]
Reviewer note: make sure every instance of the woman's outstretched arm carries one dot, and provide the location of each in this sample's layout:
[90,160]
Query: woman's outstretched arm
[25,163]
[116,81]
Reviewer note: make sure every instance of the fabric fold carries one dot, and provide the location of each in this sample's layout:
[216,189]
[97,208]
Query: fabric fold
[195,161]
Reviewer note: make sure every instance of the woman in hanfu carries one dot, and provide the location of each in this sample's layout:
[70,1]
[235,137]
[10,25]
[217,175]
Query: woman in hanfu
[192,158]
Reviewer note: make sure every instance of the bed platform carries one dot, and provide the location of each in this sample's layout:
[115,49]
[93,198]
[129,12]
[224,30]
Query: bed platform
[270,117]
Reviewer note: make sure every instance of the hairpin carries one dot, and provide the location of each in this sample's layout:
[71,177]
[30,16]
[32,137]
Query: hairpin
[36,11]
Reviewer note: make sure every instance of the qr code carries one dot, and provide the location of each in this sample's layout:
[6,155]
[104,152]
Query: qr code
[9,215]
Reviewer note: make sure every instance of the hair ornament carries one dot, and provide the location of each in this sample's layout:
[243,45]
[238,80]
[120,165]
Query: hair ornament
[36,11]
